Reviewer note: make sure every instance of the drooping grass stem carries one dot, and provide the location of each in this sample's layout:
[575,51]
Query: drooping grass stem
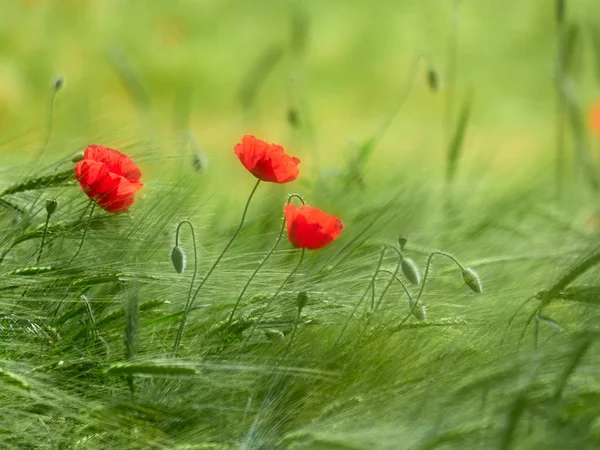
[190,301]
[270,302]
[262,262]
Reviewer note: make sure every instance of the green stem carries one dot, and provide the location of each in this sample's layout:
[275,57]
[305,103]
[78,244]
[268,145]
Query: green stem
[277,292]
[437,252]
[293,335]
[373,307]
[85,230]
[371,284]
[195,257]
[190,301]
[39,256]
[264,260]
[395,277]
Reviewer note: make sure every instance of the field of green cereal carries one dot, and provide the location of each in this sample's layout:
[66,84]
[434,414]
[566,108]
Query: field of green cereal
[458,142]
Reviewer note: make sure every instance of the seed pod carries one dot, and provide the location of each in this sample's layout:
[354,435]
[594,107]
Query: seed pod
[58,84]
[200,161]
[411,271]
[178,259]
[419,312]
[275,335]
[472,280]
[403,240]
[432,79]
[302,300]
[51,206]
[77,157]
[293,118]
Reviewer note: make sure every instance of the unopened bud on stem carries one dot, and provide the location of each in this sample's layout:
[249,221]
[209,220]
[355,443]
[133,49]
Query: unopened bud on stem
[302,300]
[178,259]
[51,206]
[410,270]
[472,280]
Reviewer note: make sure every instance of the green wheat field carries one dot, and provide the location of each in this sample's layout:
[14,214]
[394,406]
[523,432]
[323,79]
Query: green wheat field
[457,140]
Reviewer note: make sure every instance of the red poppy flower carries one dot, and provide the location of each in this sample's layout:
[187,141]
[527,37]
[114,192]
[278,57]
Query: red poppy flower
[311,228]
[594,116]
[267,162]
[109,177]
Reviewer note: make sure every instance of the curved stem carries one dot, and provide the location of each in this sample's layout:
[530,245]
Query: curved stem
[264,260]
[85,230]
[277,292]
[436,252]
[195,257]
[371,284]
[39,256]
[293,335]
[190,301]
[49,124]
[395,277]
[373,307]
[387,287]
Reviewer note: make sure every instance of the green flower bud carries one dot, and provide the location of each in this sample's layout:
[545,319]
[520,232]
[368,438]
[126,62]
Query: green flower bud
[402,240]
[58,84]
[419,312]
[432,79]
[411,271]
[302,300]
[77,157]
[275,335]
[472,280]
[51,206]
[178,259]
[200,161]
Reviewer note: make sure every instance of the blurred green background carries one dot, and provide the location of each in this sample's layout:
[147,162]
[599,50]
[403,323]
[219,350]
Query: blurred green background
[340,65]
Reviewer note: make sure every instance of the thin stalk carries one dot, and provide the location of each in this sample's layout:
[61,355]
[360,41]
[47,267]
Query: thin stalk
[270,302]
[560,107]
[437,252]
[195,256]
[85,230]
[264,260]
[373,306]
[39,256]
[371,284]
[49,123]
[190,302]
[395,277]
[293,335]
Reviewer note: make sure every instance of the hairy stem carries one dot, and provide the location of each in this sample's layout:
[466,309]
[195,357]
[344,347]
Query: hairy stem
[190,301]
[270,302]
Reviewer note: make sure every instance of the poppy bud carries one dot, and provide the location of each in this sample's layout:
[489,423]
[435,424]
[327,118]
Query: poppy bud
[51,206]
[275,335]
[472,280]
[419,312]
[77,157]
[293,118]
[200,161]
[58,83]
[410,270]
[302,300]
[432,79]
[403,240]
[178,259]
